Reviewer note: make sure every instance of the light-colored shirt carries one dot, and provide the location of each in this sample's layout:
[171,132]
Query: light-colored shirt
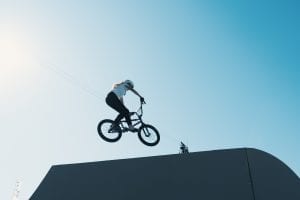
[120,90]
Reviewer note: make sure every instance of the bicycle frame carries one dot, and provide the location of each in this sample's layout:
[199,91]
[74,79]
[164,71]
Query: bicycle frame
[136,121]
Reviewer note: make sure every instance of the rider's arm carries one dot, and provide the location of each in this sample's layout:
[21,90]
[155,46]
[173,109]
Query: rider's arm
[135,92]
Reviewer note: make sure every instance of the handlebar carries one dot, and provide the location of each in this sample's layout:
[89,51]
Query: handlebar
[142,102]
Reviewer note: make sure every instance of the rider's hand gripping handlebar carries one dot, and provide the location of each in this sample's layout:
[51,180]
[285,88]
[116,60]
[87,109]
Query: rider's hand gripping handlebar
[142,100]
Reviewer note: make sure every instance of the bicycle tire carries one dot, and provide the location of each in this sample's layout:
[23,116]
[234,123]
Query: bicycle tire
[145,132]
[103,132]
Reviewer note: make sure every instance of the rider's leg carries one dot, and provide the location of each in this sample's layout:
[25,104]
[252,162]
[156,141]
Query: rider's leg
[113,101]
[124,112]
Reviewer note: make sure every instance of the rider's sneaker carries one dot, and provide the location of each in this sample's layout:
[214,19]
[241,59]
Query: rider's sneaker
[114,128]
[131,128]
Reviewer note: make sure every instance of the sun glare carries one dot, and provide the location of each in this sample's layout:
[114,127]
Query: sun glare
[15,60]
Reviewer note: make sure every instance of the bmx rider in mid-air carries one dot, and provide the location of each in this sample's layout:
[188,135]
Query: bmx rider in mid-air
[115,100]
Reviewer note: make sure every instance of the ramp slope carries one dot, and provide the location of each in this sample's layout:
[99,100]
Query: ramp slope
[235,174]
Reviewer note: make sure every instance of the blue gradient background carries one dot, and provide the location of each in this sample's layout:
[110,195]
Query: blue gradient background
[215,74]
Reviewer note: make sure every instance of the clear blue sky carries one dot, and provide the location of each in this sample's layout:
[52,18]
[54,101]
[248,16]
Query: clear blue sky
[215,74]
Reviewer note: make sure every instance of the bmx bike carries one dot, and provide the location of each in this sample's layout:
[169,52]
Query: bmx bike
[111,132]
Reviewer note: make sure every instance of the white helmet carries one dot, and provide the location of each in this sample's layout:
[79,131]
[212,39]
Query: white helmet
[129,83]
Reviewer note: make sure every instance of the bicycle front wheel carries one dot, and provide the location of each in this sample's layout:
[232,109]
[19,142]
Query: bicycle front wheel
[148,135]
[105,132]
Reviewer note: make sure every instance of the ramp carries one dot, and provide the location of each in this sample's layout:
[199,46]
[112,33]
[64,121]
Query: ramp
[234,174]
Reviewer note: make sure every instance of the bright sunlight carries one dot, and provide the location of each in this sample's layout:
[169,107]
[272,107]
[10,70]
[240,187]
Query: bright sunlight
[15,60]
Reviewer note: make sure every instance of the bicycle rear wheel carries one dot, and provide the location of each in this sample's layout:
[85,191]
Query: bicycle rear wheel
[105,132]
[148,135]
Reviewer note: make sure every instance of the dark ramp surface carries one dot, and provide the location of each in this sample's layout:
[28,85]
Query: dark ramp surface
[237,174]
